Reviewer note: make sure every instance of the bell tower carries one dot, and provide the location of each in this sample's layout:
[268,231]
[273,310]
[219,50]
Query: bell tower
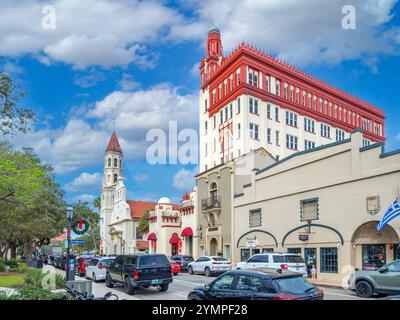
[112,173]
[214,54]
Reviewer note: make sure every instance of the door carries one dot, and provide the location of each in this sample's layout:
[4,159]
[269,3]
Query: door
[116,268]
[248,287]
[199,264]
[390,278]
[310,257]
[174,249]
[221,288]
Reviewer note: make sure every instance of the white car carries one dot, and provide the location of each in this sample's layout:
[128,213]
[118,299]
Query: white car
[96,270]
[209,265]
[284,261]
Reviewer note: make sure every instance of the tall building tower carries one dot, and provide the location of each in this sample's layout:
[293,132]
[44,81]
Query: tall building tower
[112,173]
[249,99]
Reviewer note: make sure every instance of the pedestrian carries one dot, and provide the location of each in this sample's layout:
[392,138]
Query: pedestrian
[313,272]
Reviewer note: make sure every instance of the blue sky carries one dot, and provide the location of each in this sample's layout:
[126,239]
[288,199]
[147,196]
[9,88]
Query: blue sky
[132,66]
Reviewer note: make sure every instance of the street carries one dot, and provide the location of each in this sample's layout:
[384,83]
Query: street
[181,286]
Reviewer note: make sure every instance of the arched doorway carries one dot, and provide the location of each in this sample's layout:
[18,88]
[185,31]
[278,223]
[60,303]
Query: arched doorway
[213,247]
[372,250]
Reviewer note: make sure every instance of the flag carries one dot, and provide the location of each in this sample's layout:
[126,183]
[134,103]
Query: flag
[115,237]
[390,214]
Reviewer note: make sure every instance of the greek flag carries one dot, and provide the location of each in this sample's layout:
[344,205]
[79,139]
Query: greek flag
[391,213]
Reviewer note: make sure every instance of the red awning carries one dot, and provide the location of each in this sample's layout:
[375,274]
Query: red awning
[187,232]
[174,239]
[152,236]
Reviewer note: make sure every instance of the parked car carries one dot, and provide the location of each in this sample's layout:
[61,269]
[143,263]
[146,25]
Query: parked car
[175,266]
[258,284]
[80,266]
[97,268]
[384,281]
[139,270]
[284,261]
[57,261]
[209,265]
[183,261]
[63,263]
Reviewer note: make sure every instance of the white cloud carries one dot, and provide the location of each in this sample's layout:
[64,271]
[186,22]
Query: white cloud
[184,180]
[85,182]
[84,198]
[87,80]
[101,32]
[297,31]
[397,138]
[127,83]
[82,141]
[141,178]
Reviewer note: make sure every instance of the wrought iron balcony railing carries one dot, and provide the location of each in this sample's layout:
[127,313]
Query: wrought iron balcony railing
[211,203]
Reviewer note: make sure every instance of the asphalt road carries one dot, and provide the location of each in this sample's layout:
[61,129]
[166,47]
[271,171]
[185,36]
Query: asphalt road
[183,283]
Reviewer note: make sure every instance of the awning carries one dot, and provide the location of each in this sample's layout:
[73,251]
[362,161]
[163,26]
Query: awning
[152,236]
[174,239]
[187,232]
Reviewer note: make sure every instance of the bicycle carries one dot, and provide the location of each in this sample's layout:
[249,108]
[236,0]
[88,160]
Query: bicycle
[90,297]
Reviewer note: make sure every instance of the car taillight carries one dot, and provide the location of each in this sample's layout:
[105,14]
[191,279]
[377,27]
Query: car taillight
[136,275]
[101,267]
[283,266]
[283,296]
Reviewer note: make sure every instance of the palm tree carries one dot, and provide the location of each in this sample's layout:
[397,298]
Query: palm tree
[97,205]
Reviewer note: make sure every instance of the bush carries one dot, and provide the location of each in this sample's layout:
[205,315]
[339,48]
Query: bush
[34,277]
[60,281]
[32,293]
[13,263]
[2,265]
[3,296]
[22,268]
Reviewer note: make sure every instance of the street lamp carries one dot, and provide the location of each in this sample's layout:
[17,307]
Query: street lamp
[70,212]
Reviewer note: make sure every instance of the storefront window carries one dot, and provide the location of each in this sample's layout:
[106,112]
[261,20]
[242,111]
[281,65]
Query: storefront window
[373,256]
[244,254]
[265,250]
[294,250]
[329,260]
[396,252]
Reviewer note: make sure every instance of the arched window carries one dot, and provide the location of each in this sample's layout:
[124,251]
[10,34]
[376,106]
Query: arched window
[213,192]
[115,162]
[120,163]
[109,162]
[115,178]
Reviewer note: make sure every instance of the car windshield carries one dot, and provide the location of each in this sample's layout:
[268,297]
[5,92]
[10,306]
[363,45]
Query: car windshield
[294,285]
[146,261]
[106,262]
[87,260]
[294,259]
[219,259]
[188,258]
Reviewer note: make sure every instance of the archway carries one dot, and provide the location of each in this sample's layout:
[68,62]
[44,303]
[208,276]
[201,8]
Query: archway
[213,247]
[372,250]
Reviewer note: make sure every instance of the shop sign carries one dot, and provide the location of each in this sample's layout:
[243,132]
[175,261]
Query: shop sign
[303,237]
[252,243]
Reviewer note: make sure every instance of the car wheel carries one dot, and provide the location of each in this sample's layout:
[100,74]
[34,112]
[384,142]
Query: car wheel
[109,283]
[190,270]
[207,272]
[94,277]
[194,297]
[129,289]
[164,287]
[364,289]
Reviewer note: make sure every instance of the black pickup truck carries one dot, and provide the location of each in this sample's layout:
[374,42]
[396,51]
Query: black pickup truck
[139,270]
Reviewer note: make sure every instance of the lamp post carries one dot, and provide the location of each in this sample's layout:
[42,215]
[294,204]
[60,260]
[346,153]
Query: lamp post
[70,212]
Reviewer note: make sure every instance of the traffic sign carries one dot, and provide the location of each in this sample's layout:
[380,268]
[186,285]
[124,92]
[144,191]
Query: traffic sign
[77,241]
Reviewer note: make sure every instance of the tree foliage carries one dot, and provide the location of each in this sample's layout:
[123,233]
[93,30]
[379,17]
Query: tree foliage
[13,118]
[143,225]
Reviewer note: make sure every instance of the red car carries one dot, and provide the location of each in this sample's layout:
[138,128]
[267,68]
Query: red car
[81,266]
[175,267]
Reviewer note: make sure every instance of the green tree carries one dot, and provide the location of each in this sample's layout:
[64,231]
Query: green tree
[143,225]
[13,118]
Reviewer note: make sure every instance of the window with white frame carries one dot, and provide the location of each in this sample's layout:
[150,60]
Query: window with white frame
[277,138]
[309,144]
[291,142]
[238,105]
[205,127]
[226,114]
[238,130]
[225,87]
[325,130]
[268,135]
[366,142]
[214,121]
[339,135]
[277,88]
[206,149]
[214,96]
[254,131]
[267,83]
[253,105]
[220,92]
[205,105]
[237,77]
[221,116]
[268,111]
[276,114]
[309,125]
[291,119]
[230,111]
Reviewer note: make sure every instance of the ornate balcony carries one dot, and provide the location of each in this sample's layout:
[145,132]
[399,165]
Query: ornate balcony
[212,203]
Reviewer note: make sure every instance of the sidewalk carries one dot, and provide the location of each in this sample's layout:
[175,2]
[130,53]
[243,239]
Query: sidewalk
[326,283]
